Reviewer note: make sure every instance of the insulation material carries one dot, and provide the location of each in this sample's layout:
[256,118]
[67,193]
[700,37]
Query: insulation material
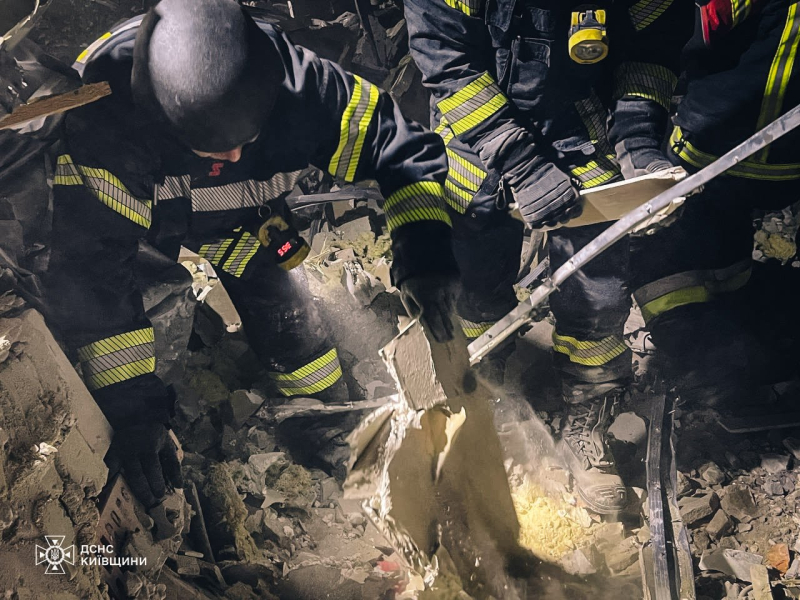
[429,467]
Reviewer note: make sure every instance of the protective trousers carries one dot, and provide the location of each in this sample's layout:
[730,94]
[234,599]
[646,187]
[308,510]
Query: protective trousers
[720,322]
[286,329]
[590,308]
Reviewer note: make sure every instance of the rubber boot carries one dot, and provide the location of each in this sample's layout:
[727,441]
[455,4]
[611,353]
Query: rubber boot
[586,454]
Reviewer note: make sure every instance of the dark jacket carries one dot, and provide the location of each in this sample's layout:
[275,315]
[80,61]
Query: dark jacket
[741,74]
[503,80]
[121,178]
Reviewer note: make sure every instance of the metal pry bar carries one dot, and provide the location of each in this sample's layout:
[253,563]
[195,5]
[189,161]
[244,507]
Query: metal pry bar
[522,314]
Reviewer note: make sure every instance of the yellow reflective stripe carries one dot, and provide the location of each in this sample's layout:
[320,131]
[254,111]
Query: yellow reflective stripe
[120,374]
[92,47]
[105,187]
[455,197]
[306,370]
[474,330]
[473,104]
[645,12]
[118,358]
[746,169]
[316,376]
[779,74]
[314,388]
[594,115]
[589,352]
[213,253]
[740,9]
[464,172]
[471,8]
[692,294]
[353,132]
[421,201]
[645,80]
[245,249]
[115,343]
[596,172]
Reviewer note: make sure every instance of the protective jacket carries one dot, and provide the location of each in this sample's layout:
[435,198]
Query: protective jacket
[504,85]
[740,77]
[121,179]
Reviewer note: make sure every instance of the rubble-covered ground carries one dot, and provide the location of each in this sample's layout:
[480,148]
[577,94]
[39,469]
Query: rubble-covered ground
[263,514]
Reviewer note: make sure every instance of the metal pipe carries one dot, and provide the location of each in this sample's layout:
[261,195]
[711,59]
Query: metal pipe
[518,317]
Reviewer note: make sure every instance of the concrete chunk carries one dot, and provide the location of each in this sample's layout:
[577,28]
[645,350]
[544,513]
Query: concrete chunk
[43,371]
[735,563]
[697,508]
[720,526]
[774,463]
[738,503]
[85,467]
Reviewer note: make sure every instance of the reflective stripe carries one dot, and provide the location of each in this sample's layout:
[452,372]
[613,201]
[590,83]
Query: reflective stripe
[597,172]
[604,168]
[474,330]
[740,9]
[355,123]
[314,377]
[464,178]
[422,201]
[473,104]
[245,249]
[118,358]
[645,12]
[690,287]
[748,169]
[214,253]
[84,56]
[645,80]
[587,352]
[470,8]
[594,116]
[779,74]
[106,187]
[92,47]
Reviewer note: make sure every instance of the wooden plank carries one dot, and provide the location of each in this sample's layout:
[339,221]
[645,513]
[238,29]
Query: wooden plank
[55,104]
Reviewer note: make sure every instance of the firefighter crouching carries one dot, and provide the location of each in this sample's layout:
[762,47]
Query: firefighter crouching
[213,116]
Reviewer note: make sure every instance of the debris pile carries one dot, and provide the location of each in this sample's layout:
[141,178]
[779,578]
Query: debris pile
[776,237]
[739,497]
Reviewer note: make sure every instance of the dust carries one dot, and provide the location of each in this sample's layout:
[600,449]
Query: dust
[550,526]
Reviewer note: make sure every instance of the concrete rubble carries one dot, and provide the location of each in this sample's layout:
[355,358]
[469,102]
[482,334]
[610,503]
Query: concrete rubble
[263,514]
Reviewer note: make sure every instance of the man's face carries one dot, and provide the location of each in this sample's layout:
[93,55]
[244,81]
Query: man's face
[230,155]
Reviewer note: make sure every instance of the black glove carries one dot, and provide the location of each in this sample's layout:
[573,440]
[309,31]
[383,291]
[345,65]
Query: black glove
[431,298]
[640,156]
[149,459]
[547,197]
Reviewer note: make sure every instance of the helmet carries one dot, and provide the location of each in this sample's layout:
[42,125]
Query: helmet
[205,69]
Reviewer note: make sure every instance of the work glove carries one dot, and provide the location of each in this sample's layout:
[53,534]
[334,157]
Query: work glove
[640,156]
[149,459]
[546,197]
[431,298]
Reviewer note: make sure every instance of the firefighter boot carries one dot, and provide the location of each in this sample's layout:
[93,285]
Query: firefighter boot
[587,456]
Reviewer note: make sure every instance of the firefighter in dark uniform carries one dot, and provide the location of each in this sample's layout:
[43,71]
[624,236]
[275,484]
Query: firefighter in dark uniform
[212,117]
[535,100]
[707,305]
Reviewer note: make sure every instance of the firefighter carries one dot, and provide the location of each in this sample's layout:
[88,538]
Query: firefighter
[536,100]
[211,119]
[700,293]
